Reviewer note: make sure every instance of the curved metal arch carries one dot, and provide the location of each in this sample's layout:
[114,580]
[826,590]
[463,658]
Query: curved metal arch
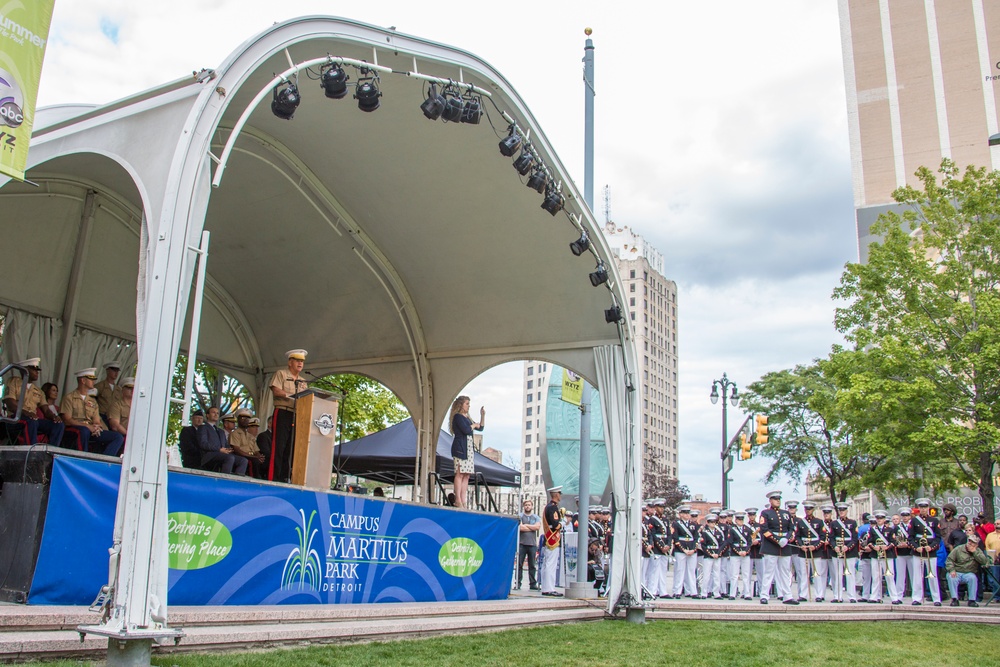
[342,222]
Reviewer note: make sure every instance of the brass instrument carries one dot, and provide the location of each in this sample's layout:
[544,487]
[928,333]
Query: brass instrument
[930,564]
[883,556]
[842,551]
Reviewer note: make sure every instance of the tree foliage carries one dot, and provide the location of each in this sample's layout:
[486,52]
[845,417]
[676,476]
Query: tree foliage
[658,483]
[367,406]
[808,436]
[923,316]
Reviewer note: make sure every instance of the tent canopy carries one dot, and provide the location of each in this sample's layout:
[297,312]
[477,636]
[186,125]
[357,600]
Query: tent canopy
[390,456]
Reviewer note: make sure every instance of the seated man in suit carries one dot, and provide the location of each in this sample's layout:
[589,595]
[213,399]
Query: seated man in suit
[188,441]
[215,451]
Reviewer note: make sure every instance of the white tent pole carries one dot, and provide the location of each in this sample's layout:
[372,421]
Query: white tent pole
[72,301]
[199,291]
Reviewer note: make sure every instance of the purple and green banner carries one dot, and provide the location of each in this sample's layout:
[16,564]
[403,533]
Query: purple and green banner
[244,543]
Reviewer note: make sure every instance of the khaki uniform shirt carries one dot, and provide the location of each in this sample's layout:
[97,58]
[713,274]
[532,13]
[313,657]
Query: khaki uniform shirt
[33,397]
[81,408]
[106,395]
[284,381]
[244,443]
[119,410]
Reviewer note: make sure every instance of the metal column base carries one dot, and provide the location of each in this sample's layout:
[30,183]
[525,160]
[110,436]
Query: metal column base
[581,591]
[129,652]
[635,615]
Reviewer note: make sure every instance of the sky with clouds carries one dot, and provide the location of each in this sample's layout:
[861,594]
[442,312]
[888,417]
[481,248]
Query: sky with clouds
[721,128]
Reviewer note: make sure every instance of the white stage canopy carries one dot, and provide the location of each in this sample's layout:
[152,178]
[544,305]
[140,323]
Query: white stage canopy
[384,243]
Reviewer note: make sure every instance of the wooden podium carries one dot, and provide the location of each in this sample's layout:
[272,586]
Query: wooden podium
[315,433]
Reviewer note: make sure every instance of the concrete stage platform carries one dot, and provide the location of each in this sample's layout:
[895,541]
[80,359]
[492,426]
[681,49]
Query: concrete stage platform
[36,632]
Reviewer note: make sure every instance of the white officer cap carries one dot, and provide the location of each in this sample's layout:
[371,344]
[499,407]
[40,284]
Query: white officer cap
[774,494]
[113,364]
[808,505]
[683,509]
[695,511]
[923,502]
[87,373]
[128,382]
[712,517]
[243,412]
[905,511]
[826,508]
[792,503]
[34,362]
[841,506]
[751,510]
[880,514]
[554,489]
[296,354]
[739,516]
[254,421]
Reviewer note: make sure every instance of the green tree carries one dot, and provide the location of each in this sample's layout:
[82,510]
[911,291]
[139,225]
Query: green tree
[658,483]
[367,406]
[926,312]
[212,387]
[808,437]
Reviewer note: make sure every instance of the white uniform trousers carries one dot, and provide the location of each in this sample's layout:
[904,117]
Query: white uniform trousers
[550,563]
[740,584]
[663,565]
[917,575]
[724,575]
[838,579]
[651,580]
[902,571]
[685,574]
[699,574]
[881,568]
[866,577]
[710,579]
[820,580]
[799,567]
[758,574]
[777,569]
[643,571]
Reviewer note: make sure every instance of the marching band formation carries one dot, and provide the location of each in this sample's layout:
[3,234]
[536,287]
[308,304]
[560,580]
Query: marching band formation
[742,555]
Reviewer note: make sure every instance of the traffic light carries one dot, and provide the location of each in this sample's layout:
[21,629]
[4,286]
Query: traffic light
[746,447]
[761,435]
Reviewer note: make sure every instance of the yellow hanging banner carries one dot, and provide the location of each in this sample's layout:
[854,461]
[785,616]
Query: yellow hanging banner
[24,32]
[572,387]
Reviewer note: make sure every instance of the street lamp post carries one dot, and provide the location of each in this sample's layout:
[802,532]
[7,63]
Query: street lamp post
[725,383]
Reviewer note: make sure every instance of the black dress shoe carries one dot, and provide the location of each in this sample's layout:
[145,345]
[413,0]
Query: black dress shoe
[836,601]
[973,603]
[897,602]
[819,599]
[763,601]
[536,587]
[916,603]
[748,598]
[803,600]
[938,604]
[954,603]
[790,601]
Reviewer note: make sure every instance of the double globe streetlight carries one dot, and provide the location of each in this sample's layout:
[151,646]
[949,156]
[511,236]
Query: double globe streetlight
[726,385]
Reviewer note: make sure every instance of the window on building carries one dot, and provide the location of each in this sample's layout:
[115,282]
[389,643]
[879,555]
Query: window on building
[527,424]
[538,465]
[527,452]
[631,288]
[631,301]
[527,439]
[528,413]
[531,384]
[539,395]
[530,396]
[631,274]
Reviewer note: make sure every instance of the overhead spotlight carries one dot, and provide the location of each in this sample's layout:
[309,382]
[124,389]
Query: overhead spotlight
[510,143]
[613,315]
[580,245]
[599,276]
[453,105]
[472,112]
[286,100]
[553,202]
[334,80]
[367,94]
[523,162]
[538,180]
[433,105]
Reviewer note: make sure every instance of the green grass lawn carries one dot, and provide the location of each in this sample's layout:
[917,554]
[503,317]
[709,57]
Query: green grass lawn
[689,643]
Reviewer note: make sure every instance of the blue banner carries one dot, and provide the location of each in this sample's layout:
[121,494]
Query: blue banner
[243,543]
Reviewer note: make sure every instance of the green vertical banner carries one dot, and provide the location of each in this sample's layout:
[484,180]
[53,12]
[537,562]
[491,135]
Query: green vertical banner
[572,387]
[24,32]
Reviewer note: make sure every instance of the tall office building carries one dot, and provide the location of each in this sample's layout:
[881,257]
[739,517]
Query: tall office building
[923,83]
[652,309]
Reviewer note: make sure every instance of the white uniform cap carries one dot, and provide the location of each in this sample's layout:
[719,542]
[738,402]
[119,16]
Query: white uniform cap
[112,364]
[243,412]
[773,494]
[555,489]
[87,372]
[128,382]
[34,361]
[296,354]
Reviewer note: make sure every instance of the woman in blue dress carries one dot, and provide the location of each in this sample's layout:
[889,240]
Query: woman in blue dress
[461,447]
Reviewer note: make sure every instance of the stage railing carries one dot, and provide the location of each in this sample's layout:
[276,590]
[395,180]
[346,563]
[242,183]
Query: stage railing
[10,427]
[491,502]
[434,480]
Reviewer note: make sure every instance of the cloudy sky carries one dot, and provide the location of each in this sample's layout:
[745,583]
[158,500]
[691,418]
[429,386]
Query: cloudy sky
[721,129]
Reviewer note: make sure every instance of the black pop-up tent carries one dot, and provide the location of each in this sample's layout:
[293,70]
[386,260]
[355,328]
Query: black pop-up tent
[388,456]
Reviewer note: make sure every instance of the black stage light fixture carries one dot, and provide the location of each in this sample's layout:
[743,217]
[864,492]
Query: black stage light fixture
[433,105]
[286,100]
[537,181]
[367,94]
[453,105]
[334,80]
[472,112]
[580,245]
[510,143]
[599,276]
[523,162]
[553,202]
[613,315]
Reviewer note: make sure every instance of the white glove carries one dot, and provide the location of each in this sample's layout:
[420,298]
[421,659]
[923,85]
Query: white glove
[783,542]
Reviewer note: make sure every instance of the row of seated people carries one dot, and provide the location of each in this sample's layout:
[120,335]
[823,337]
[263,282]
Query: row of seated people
[93,417]
[231,445]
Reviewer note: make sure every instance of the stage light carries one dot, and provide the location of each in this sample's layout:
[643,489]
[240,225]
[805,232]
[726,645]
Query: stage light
[433,105]
[523,162]
[334,80]
[599,276]
[553,202]
[367,94]
[286,100]
[537,181]
[453,105]
[510,143]
[580,245]
[472,112]
[613,315]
